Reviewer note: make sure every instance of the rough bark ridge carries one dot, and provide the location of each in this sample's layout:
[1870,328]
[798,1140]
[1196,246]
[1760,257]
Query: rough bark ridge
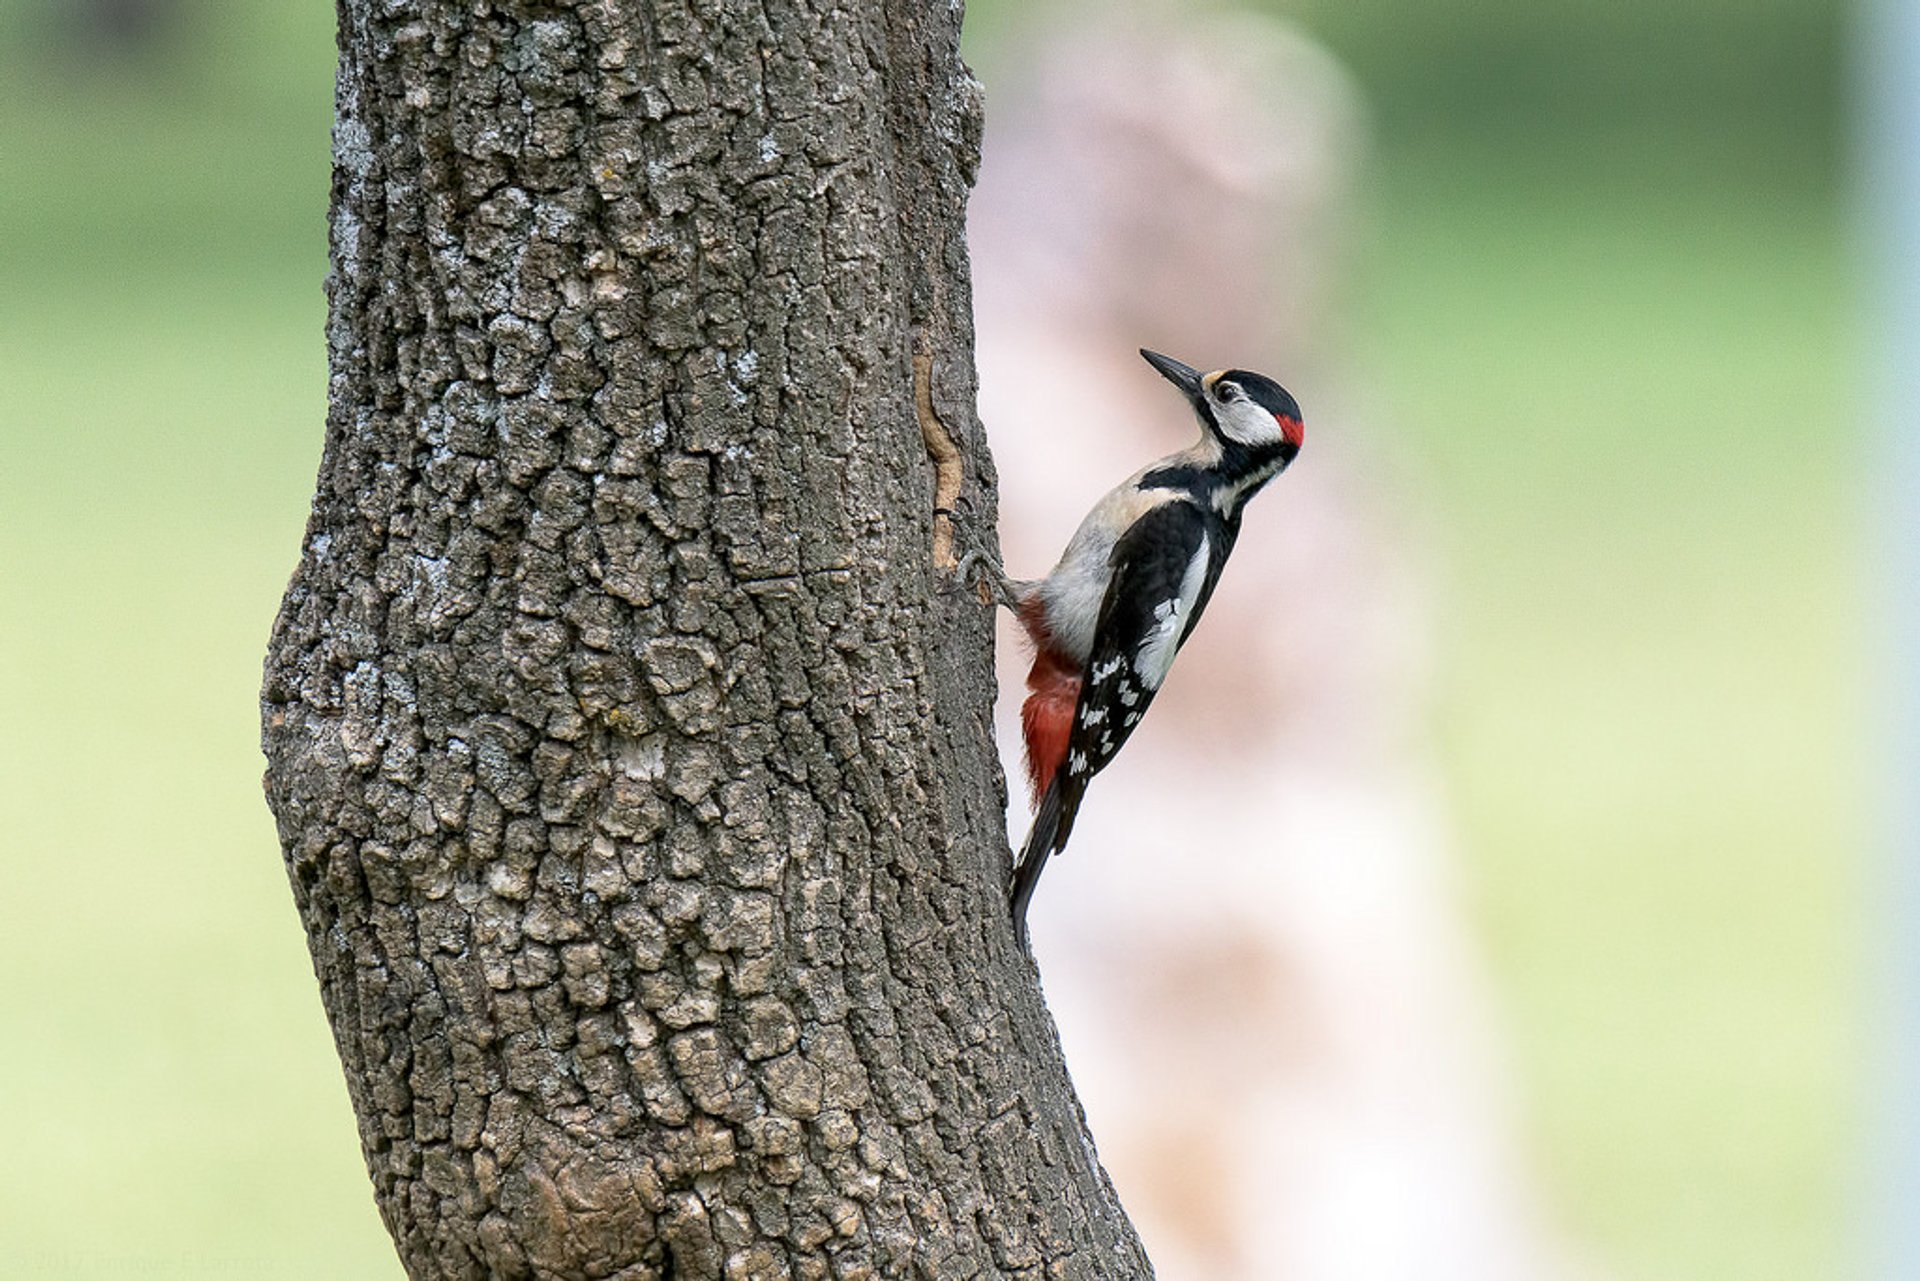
[633,777]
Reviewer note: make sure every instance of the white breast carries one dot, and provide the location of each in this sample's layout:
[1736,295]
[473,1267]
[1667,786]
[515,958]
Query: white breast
[1072,592]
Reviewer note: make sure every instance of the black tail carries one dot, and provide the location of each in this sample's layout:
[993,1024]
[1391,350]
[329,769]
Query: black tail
[1052,824]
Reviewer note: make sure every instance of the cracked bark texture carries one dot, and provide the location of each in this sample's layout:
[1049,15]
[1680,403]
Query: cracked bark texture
[633,775]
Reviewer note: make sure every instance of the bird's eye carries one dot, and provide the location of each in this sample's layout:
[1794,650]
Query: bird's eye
[1225,391]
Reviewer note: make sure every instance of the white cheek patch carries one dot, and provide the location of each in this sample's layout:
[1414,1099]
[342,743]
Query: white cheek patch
[1155,656]
[1249,424]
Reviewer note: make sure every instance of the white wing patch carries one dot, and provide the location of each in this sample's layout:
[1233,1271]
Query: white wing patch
[1155,655]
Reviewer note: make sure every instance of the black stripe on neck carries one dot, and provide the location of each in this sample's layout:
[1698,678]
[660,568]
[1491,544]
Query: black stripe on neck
[1237,463]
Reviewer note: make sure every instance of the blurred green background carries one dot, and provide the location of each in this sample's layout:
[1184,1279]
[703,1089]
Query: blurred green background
[1606,299]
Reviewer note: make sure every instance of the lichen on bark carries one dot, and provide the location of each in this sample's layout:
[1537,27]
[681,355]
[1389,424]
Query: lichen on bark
[634,775]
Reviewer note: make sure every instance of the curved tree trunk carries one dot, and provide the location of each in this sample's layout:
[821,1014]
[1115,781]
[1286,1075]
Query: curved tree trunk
[633,775]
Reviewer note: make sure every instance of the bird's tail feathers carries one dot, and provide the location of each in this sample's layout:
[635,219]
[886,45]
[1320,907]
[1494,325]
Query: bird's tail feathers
[1052,823]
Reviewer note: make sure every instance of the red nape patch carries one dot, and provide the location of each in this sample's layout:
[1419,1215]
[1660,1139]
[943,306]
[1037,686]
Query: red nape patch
[1292,430]
[1047,718]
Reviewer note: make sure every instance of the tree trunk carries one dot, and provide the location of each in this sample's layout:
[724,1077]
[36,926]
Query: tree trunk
[633,774]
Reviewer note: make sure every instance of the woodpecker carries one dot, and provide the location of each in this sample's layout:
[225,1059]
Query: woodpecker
[1106,623]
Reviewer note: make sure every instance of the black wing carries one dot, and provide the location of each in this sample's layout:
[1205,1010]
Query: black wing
[1164,571]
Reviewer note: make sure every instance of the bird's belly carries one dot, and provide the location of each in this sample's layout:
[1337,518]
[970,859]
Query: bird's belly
[1073,592]
[1072,596]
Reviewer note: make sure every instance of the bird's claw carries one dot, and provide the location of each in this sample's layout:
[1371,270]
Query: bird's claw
[979,571]
[978,568]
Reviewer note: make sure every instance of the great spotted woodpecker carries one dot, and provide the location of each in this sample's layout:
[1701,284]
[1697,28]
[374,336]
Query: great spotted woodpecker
[1107,621]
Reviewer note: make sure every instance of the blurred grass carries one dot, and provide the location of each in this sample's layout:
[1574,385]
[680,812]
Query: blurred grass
[1606,308]
[1606,312]
[1628,386]
[172,1100]
[1610,312]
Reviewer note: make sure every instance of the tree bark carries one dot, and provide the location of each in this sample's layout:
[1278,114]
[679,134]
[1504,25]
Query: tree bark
[633,775]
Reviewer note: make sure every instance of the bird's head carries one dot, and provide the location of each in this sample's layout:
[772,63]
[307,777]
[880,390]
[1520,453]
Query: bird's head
[1238,407]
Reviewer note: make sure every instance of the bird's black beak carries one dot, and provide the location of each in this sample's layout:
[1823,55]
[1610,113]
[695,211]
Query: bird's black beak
[1185,377]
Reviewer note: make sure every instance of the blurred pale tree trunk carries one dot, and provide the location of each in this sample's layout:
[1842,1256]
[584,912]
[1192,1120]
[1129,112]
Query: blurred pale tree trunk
[635,781]
[1889,61]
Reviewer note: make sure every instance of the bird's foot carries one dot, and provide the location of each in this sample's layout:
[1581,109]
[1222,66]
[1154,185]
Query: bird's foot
[979,569]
